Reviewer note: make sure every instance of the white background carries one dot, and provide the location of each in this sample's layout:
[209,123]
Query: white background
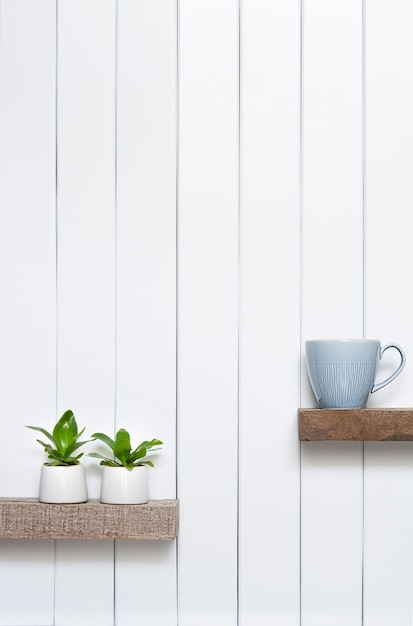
[188,190]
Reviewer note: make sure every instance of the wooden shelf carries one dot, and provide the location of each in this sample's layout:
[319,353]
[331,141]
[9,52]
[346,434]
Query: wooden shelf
[355,424]
[27,518]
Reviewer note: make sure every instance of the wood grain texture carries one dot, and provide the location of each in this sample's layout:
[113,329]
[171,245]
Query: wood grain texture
[27,518]
[356,424]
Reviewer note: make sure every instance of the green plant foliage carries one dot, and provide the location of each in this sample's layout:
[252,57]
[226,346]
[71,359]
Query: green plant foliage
[65,440]
[122,450]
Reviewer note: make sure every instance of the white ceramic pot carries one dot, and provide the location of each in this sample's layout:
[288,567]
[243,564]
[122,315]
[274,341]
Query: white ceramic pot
[63,484]
[123,486]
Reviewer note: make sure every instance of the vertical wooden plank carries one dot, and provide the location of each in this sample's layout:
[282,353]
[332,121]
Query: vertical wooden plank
[208,312]
[26,572]
[332,299]
[27,278]
[269,545]
[146,285]
[146,582]
[388,544]
[27,213]
[86,273]
[389,195]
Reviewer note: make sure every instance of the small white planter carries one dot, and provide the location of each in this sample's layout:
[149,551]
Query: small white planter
[62,484]
[123,486]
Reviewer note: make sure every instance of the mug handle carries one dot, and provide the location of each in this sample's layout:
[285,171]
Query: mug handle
[388,380]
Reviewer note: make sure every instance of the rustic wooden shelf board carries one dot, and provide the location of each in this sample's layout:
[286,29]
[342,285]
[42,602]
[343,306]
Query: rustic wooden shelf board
[27,518]
[355,424]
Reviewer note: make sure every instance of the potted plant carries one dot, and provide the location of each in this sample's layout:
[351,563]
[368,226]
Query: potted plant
[62,478]
[124,479]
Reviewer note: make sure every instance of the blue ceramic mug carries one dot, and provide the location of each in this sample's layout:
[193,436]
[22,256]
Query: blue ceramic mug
[342,371]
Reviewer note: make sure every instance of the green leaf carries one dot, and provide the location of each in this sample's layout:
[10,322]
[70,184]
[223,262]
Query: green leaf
[70,449]
[122,446]
[53,454]
[144,463]
[96,455]
[149,445]
[152,443]
[107,440]
[44,432]
[45,445]
[145,446]
[138,453]
[65,431]
[64,439]
[111,463]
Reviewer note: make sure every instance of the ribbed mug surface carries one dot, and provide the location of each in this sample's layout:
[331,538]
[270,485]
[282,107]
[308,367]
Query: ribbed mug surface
[342,371]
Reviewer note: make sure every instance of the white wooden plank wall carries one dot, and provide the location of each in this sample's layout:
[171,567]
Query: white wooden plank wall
[389,196]
[145,574]
[270,314]
[189,189]
[208,206]
[332,299]
[28,286]
[85,271]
